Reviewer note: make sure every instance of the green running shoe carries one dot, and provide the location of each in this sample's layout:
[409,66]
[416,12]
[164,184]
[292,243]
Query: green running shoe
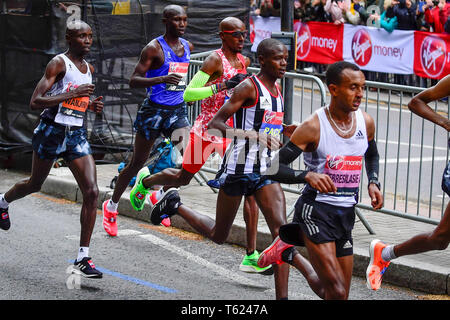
[250,264]
[139,192]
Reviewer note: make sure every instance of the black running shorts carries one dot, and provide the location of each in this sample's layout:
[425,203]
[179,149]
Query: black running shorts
[322,223]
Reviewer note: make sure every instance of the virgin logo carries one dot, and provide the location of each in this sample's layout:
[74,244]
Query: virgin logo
[252,30]
[336,163]
[432,55]
[303,40]
[269,117]
[361,47]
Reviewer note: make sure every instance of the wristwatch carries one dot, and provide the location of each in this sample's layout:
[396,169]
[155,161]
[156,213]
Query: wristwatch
[375,182]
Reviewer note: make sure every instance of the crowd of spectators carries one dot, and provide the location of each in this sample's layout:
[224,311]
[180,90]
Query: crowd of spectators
[428,15]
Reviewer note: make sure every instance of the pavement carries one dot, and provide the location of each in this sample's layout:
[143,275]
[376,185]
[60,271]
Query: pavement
[427,272]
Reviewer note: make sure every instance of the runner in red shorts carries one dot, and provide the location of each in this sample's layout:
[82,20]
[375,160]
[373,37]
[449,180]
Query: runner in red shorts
[220,73]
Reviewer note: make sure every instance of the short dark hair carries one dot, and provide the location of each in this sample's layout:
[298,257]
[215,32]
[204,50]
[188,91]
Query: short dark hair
[265,47]
[334,71]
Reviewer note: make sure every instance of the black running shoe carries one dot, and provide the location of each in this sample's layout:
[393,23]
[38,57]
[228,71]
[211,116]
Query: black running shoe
[5,224]
[86,268]
[166,207]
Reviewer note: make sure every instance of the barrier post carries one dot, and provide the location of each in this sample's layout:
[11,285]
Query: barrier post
[287,24]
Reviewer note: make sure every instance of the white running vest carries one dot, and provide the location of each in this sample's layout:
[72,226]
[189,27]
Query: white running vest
[71,112]
[340,158]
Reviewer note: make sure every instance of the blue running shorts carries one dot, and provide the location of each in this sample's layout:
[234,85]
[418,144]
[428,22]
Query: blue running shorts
[52,141]
[153,119]
[446,179]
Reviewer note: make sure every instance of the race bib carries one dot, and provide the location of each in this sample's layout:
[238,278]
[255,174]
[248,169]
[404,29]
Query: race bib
[75,107]
[180,68]
[345,172]
[272,123]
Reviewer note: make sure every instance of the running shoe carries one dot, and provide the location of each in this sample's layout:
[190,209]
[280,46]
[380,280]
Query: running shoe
[86,268]
[5,223]
[109,220]
[250,264]
[272,254]
[139,192]
[152,199]
[377,266]
[166,207]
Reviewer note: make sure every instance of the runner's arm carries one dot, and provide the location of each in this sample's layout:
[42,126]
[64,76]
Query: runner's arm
[55,68]
[419,106]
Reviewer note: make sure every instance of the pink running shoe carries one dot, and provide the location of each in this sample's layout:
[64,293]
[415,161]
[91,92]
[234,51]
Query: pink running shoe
[109,220]
[272,254]
[152,199]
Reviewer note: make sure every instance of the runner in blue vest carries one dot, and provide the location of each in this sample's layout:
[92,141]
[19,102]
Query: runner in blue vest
[162,70]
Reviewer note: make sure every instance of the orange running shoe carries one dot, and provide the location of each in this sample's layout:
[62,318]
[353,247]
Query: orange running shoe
[109,220]
[377,266]
[272,254]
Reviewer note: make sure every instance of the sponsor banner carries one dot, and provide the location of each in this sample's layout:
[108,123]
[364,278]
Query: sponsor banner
[319,42]
[262,28]
[375,49]
[432,55]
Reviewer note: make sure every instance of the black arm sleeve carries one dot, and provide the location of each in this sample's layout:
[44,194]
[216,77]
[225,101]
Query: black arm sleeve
[285,174]
[372,161]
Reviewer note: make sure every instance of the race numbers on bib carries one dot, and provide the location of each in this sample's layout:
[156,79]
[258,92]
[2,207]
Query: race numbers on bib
[272,123]
[180,68]
[345,172]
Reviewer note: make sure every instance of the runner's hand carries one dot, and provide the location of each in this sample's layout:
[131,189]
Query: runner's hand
[271,142]
[172,78]
[375,196]
[235,80]
[85,90]
[321,182]
[96,105]
[288,130]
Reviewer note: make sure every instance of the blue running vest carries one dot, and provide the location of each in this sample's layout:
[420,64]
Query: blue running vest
[163,93]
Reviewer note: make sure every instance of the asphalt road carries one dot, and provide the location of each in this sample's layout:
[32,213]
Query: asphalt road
[143,262]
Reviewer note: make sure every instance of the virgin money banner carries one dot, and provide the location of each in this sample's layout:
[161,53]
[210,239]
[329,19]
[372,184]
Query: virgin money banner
[432,55]
[262,28]
[319,42]
[375,49]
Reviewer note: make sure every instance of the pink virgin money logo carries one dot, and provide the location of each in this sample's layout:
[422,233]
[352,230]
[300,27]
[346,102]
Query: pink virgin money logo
[361,47]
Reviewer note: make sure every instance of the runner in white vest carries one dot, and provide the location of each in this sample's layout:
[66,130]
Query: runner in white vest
[63,95]
[335,139]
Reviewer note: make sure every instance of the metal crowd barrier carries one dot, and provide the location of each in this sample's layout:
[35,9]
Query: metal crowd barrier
[413,151]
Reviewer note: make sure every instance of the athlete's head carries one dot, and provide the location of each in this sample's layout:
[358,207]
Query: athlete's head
[272,56]
[79,37]
[346,82]
[175,19]
[232,31]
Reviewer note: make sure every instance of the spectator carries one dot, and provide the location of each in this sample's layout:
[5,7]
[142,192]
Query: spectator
[388,24]
[352,14]
[307,10]
[254,7]
[336,9]
[270,8]
[435,14]
[405,11]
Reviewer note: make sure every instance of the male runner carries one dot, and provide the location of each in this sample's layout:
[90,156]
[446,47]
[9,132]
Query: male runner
[335,139]
[257,110]
[221,71]
[162,69]
[63,95]
[439,239]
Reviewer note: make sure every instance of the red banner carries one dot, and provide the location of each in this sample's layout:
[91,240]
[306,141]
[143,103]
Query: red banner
[319,42]
[432,54]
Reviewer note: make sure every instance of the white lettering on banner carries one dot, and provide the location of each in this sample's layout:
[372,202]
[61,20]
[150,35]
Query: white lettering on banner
[324,43]
[430,57]
[301,40]
[388,51]
[360,49]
